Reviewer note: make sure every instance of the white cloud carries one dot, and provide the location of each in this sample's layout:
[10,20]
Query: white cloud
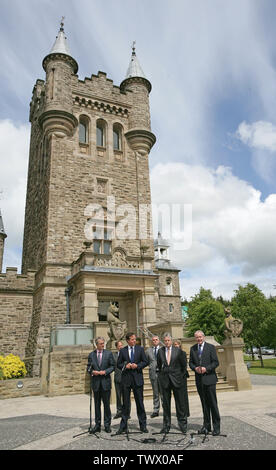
[233,230]
[259,135]
[14,145]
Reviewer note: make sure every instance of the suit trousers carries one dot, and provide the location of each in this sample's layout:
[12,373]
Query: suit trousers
[119,397]
[157,393]
[104,396]
[209,404]
[181,413]
[139,400]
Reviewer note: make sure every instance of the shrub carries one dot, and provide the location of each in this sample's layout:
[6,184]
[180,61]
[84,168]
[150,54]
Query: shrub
[11,367]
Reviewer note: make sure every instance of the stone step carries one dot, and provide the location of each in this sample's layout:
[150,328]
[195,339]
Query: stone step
[222,384]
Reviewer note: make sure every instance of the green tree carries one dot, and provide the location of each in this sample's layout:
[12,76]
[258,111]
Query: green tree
[271,333]
[254,309]
[206,314]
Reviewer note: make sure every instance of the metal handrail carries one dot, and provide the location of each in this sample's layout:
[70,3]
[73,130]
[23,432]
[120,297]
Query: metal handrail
[146,332]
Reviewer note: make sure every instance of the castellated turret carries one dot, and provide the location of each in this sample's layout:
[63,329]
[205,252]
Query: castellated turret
[139,136]
[59,66]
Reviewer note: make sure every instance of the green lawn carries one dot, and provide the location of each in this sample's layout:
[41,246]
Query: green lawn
[268,369]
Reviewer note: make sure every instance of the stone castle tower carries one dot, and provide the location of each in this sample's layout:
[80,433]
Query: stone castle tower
[88,230]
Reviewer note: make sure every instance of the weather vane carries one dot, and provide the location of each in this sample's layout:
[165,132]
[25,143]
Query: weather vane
[62,23]
[133,47]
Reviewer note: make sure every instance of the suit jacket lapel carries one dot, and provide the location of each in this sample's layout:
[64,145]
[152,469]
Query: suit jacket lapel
[205,350]
[173,354]
[95,360]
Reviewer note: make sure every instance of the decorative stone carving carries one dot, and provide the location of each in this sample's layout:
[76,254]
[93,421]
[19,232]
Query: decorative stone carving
[118,260]
[234,326]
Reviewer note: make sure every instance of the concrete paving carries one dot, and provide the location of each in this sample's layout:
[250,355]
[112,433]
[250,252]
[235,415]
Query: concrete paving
[248,422]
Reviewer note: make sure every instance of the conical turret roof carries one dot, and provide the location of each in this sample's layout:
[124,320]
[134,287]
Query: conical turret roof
[135,70]
[61,46]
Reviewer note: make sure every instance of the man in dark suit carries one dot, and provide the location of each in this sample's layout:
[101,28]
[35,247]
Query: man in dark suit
[118,381]
[204,360]
[100,365]
[131,361]
[172,366]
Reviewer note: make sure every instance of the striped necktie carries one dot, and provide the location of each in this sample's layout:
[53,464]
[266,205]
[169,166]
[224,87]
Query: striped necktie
[99,357]
[169,356]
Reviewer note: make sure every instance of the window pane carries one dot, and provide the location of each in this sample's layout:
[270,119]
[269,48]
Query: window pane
[116,140]
[82,133]
[107,248]
[100,136]
[97,246]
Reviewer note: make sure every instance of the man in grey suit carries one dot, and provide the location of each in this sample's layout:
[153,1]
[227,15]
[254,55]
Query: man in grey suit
[151,355]
[100,365]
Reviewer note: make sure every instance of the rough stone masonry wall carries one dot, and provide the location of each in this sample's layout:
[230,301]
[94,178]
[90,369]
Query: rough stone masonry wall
[79,179]
[35,227]
[67,370]
[16,303]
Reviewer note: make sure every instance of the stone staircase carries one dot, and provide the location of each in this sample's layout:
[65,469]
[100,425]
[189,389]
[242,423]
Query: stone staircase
[222,384]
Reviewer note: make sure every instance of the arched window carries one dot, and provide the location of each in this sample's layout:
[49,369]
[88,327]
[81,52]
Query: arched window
[169,286]
[83,130]
[100,133]
[117,137]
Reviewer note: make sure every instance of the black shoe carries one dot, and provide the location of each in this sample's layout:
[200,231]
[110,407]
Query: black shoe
[95,429]
[107,429]
[165,430]
[144,430]
[183,429]
[154,414]
[120,431]
[117,415]
[215,433]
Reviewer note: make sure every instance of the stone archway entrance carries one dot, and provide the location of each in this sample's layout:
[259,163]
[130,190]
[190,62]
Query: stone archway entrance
[94,289]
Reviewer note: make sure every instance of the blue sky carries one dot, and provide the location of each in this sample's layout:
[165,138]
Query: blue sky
[212,65]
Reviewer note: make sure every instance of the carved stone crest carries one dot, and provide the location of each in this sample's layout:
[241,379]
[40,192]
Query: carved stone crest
[234,326]
[118,260]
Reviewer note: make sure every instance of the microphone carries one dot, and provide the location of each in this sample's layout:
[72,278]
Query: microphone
[124,366]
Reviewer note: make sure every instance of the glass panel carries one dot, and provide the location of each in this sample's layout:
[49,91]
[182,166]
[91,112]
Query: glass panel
[97,246]
[65,337]
[83,335]
[107,248]
[116,140]
[82,133]
[100,136]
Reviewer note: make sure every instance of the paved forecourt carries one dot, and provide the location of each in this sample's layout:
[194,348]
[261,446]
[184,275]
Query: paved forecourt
[61,423]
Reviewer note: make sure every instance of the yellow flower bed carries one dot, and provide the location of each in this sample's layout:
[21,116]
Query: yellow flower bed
[11,367]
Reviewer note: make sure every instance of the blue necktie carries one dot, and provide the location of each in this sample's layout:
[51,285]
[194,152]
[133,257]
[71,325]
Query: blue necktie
[199,350]
[132,354]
